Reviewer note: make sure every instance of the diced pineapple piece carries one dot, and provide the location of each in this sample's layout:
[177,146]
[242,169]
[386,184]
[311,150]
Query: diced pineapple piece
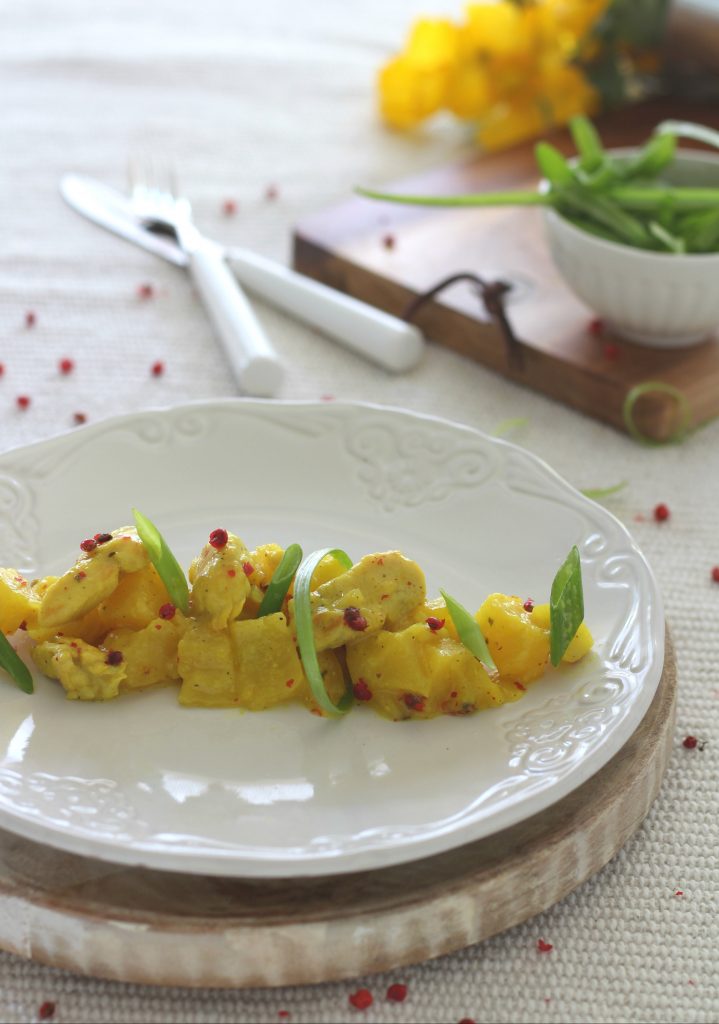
[206,667]
[432,608]
[520,648]
[149,654]
[19,603]
[267,667]
[84,671]
[251,664]
[263,561]
[419,673]
[220,585]
[580,644]
[135,601]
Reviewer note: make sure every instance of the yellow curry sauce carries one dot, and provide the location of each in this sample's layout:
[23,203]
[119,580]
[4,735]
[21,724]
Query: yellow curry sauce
[107,626]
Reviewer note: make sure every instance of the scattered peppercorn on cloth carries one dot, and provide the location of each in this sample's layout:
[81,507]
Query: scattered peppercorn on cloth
[269,115]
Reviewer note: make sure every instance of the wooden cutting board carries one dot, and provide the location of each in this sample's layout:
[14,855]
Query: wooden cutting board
[346,247]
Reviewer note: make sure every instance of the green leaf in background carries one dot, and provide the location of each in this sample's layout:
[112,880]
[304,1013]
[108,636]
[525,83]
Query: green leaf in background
[700,231]
[168,568]
[280,583]
[589,145]
[15,667]
[668,241]
[652,158]
[552,165]
[566,606]
[468,631]
[305,633]
[689,130]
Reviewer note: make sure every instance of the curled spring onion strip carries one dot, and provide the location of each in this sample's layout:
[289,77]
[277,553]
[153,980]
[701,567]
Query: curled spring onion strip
[509,425]
[168,568]
[649,387]
[468,631]
[305,633]
[13,664]
[281,580]
[603,492]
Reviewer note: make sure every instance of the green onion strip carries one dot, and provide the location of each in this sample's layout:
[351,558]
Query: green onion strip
[13,664]
[305,633]
[566,606]
[648,387]
[468,631]
[168,568]
[280,583]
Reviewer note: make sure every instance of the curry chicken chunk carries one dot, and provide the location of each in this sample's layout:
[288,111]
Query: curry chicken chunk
[108,626]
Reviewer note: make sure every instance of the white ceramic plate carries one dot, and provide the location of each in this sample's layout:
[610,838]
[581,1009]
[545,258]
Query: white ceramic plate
[141,780]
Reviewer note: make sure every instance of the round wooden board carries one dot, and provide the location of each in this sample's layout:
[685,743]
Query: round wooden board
[154,927]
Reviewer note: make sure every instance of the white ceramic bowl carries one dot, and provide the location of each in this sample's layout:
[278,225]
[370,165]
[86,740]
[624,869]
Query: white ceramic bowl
[659,299]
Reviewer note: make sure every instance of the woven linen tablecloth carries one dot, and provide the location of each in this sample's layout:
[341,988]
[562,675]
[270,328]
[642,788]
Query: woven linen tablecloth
[243,97]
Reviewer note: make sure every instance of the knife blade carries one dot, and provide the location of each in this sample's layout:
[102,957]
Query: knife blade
[111,210]
[390,342]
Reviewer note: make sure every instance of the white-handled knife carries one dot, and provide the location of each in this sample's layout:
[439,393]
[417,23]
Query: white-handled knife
[386,340]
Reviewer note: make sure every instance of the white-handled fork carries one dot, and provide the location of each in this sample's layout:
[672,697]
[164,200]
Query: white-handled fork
[255,364]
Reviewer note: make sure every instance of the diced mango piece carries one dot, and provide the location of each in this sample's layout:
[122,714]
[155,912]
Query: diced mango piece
[206,667]
[149,654]
[418,673]
[135,601]
[520,648]
[581,643]
[19,603]
[220,585]
[83,670]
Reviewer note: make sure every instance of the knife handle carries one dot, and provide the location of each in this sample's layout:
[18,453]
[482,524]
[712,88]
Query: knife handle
[384,339]
[254,362]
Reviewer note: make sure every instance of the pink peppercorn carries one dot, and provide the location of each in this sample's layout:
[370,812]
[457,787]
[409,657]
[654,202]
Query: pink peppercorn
[114,658]
[434,623]
[66,366]
[229,207]
[528,605]
[167,611]
[78,418]
[30,318]
[46,1010]
[397,993]
[218,538]
[157,369]
[145,291]
[715,573]
[88,545]
[661,512]
[23,401]
[690,742]
[361,690]
[354,618]
[544,947]
[361,999]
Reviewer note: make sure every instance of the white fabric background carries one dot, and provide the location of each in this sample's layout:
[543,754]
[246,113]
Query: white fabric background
[242,95]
